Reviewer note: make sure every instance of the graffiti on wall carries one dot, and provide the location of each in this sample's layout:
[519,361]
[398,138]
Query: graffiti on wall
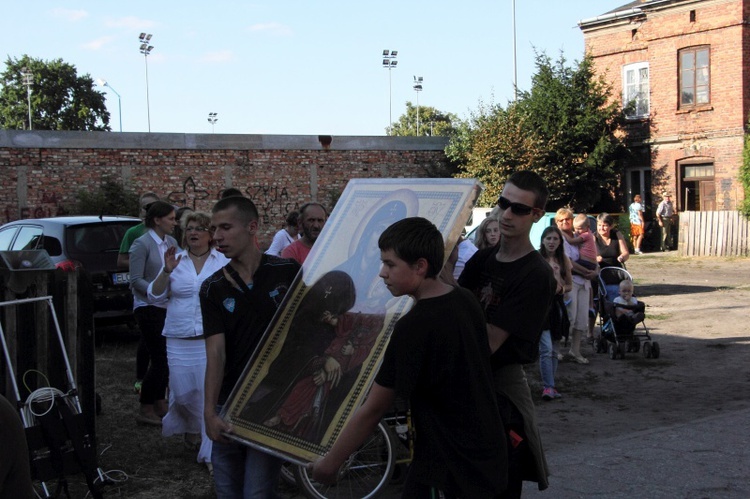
[49,205]
[189,195]
[273,202]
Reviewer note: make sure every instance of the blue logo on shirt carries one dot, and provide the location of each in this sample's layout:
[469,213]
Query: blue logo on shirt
[229,304]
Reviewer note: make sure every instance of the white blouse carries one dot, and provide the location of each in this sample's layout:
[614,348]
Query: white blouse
[184,318]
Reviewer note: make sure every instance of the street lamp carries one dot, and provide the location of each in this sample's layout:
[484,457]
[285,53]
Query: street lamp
[418,88]
[28,80]
[146,49]
[212,118]
[390,62]
[103,83]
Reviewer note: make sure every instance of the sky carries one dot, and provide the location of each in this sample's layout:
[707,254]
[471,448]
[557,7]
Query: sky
[297,67]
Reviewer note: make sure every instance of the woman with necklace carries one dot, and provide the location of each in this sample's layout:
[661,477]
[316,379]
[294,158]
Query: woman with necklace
[179,282]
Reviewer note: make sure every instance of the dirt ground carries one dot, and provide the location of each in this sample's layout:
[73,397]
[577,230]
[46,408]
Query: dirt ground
[696,310]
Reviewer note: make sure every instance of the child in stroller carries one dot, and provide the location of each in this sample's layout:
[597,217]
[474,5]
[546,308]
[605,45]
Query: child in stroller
[620,314]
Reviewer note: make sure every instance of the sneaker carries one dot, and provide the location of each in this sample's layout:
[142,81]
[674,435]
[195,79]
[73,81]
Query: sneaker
[638,252]
[548,394]
[556,394]
[580,359]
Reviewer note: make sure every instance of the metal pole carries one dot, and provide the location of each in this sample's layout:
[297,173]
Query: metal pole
[148,104]
[417,113]
[390,100]
[28,97]
[515,64]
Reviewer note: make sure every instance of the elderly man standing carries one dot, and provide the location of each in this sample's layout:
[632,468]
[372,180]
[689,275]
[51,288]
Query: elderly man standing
[664,214]
[312,218]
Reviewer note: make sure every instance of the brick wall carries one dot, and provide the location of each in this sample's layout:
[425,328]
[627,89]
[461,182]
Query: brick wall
[43,171]
[713,133]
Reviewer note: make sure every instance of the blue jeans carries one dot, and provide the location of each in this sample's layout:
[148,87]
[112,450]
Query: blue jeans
[547,360]
[242,472]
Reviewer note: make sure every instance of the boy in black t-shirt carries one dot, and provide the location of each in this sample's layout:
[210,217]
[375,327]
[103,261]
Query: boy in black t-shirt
[515,286]
[438,359]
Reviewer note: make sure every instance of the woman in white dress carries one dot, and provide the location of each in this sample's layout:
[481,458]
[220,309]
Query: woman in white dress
[180,280]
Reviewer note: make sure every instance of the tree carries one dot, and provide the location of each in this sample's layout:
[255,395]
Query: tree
[432,122]
[110,198]
[745,176]
[60,99]
[565,128]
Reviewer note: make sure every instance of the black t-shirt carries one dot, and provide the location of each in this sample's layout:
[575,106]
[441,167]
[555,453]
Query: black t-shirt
[516,297]
[609,252]
[244,316]
[437,358]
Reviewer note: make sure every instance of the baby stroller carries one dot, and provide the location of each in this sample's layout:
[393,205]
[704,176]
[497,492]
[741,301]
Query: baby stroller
[619,335]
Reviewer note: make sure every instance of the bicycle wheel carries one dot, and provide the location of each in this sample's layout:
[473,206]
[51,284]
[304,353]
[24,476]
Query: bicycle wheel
[365,474]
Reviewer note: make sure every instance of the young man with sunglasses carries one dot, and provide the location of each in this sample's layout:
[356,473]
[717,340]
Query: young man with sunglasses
[515,286]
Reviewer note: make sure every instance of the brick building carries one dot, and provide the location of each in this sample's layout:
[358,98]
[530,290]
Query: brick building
[681,68]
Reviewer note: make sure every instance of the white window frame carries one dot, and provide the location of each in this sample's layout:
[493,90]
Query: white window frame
[635,91]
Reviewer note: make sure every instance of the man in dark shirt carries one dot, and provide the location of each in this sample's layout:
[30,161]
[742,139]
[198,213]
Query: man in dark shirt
[515,286]
[238,302]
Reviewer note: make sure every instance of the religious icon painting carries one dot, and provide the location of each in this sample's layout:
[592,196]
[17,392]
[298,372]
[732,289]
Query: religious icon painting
[321,352]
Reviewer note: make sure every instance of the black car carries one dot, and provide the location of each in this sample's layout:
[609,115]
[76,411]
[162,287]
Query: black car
[85,243]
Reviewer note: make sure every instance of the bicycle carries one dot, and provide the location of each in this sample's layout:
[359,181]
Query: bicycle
[369,470]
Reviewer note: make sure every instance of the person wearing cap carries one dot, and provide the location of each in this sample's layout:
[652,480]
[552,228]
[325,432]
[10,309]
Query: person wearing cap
[664,213]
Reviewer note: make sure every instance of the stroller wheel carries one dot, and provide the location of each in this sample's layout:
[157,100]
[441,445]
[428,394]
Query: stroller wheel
[655,350]
[621,350]
[647,349]
[612,351]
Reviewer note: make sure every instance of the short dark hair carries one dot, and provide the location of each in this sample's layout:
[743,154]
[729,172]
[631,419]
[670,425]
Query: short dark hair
[245,207]
[157,209]
[230,191]
[606,218]
[292,218]
[307,205]
[414,238]
[530,181]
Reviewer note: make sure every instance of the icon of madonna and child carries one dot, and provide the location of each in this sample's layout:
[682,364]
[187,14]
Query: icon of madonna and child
[332,334]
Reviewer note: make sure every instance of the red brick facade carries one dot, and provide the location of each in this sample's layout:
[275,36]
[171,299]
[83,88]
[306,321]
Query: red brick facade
[43,171]
[694,152]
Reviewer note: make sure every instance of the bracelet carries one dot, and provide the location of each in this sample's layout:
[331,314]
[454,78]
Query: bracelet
[165,270]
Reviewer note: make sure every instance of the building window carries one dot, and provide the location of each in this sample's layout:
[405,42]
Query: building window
[695,77]
[635,90]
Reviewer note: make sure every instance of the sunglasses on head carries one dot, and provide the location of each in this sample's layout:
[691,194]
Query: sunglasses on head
[517,208]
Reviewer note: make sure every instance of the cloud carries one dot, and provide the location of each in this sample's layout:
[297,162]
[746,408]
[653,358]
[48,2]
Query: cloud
[70,15]
[272,28]
[213,57]
[98,43]
[130,22]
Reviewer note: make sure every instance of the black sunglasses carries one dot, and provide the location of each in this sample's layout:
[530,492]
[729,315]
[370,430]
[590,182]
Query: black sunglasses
[517,208]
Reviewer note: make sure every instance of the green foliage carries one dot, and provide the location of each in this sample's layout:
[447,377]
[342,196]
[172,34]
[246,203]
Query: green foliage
[564,128]
[745,177]
[432,122]
[60,99]
[111,198]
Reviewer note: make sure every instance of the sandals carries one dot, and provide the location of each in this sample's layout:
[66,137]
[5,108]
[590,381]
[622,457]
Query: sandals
[143,419]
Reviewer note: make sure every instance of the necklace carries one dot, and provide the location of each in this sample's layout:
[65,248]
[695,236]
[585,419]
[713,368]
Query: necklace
[201,255]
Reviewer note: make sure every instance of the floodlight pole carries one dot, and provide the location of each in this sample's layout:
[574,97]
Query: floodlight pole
[28,80]
[515,64]
[390,62]
[418,88]
[146,49]
[212,118]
